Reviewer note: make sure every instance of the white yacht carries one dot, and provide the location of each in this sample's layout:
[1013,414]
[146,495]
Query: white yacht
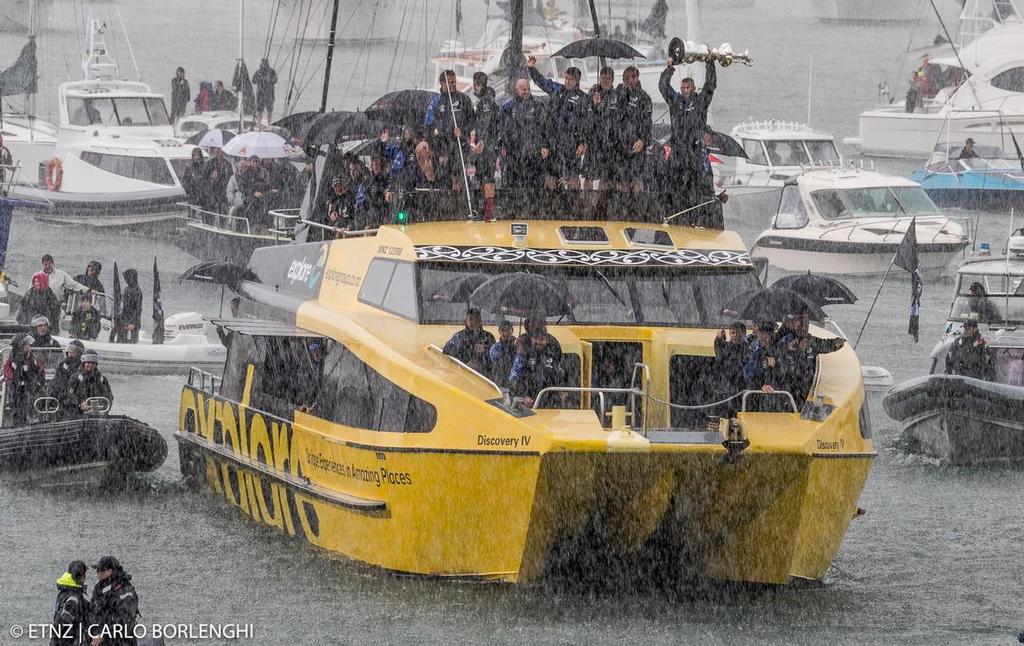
[776,151]
[116,155]
[980,107]
[850,221]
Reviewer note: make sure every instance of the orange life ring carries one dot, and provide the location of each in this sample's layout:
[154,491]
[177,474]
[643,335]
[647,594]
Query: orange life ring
[54,174]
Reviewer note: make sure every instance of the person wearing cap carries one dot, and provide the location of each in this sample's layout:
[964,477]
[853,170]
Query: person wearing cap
[65,374]
[471,345]
[447,121]
[763,370]
[39,301]
[71,610]
[570,119]
[85,322]
[89,383]
[25,377]
[968,152]
[798,354]
[980,305]
[41,333]
[340,209]
[536,367]
[502,354]
[115,605]
[970,355]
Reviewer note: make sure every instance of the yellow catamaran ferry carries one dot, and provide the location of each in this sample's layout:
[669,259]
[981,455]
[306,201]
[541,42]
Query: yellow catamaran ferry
[394,454]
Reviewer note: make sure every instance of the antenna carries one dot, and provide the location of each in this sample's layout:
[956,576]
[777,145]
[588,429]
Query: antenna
[810,77]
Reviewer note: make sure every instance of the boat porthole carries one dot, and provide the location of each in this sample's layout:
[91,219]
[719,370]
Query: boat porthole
[190,421]
[218,432]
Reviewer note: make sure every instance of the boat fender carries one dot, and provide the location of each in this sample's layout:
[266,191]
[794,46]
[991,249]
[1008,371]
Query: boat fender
[54,174]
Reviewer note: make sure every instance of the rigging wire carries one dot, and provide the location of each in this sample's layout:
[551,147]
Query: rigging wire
[394,54]
[369,32]
[271,29]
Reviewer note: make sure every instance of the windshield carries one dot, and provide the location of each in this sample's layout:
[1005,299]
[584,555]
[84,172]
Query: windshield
[990,298]
[123,111]
[822,152]
[882,201]
[786,153]
[667,297]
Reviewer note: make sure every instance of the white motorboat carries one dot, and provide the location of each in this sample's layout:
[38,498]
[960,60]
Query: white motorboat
[984,107]
[877,11]
[189,340]
[850,221]
[192,124]
[958,418]
[116,157]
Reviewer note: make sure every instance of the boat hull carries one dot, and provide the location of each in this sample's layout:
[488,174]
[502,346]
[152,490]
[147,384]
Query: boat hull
[958,419]
[216,244]
[851,258]
[771,517]
[79,449]
[175,357]
[892,132]
[146,210]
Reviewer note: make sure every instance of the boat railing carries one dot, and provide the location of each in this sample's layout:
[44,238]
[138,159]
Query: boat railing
[285,220]
[348,234]
[46,405]
[964,220]
[784,394]
[602,409]
[235,223]
[203,380]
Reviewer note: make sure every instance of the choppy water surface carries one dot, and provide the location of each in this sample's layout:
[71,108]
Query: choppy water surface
[936,559]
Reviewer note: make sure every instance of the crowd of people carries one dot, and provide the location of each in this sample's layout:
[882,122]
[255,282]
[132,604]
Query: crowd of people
[106,618]
[45,300]
[602,136]
[215,97]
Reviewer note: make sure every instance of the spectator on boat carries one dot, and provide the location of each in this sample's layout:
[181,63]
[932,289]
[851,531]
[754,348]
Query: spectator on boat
[115,604]
[968,152]
[39,301]
[689,113]
[71,610]
[378,192]
[503,354]
[601,164]
[537,366]
[85,322]
[970,355]
[204,98]
[449,115]
[129,320]
[798,353]
[218,176]
[60,280]
[471,345]
[26,379]
[288,183]
[41,333]
[634,131]
[731,356]
[89,382]
[340,210]
[763,370]
[91,277]
[523,126]
[265,79]
[980,305]
[568,128]
[222,98]
[536,322]
[486,127]
[181,94]
[65,374]
[192,180]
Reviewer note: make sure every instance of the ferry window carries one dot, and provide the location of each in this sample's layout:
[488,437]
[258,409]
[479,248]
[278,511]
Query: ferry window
[242,351]
[157,112]
[146,169]
[375,284]
[914,200]
[356,395]
[830,205]
[285,377]
[401,294]
[584,235]
[822,152]
[1012,80]
[755,153]
[650,237]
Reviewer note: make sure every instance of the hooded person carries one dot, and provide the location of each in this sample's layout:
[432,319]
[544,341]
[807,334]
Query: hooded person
[265,79]
[115,604]
[66,373]
[25,379]
[39,301]
[71,610]
[41,333]
[130,318]
[91,277]
[192,178]
[89,383]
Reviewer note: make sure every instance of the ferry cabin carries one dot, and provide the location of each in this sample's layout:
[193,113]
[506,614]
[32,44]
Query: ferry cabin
[378,446]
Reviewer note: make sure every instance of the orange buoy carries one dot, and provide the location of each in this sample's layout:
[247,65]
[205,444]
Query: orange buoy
[54,174]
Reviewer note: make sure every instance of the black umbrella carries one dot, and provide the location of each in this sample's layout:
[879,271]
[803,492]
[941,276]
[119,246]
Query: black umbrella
[158,308]
[771,304]
[404,107]
[219,273]
[723,144]
[459,290]
[598,47]
[296,122]
[115,308]
[338,127]
[818,289]
[520,293]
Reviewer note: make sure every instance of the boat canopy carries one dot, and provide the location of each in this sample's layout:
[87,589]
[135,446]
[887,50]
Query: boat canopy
[992,291]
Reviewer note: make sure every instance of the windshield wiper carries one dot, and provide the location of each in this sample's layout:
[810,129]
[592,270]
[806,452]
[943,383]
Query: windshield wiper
[608,284]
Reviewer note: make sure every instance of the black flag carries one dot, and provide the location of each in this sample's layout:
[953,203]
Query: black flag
[906,259]
[20,78]
[158,308]
[115,309]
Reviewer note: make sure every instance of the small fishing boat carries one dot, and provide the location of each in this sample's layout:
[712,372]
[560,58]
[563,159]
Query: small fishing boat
[850,221]
[91,448]
[992,180]
[961,419]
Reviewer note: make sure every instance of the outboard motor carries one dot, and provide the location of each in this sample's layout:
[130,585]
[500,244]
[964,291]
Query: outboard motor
[185,323]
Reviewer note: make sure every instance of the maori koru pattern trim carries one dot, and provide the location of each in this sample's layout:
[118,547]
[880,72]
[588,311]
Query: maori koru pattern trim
[619,257]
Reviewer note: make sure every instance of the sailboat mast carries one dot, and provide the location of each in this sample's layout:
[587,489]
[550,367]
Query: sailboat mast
[512,60]
[241,86]
[330,57]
